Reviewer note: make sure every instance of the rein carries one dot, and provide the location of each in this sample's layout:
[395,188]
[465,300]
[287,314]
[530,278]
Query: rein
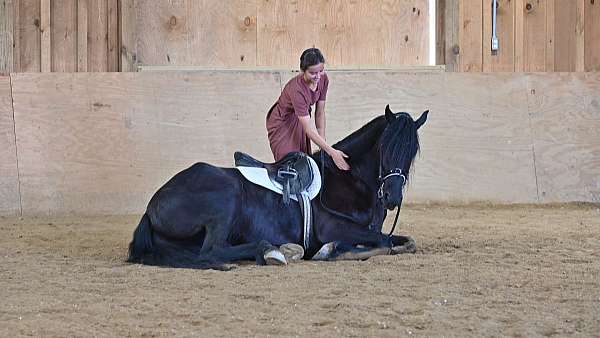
[395,172]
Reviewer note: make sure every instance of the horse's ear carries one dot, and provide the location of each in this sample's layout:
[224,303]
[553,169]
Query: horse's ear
[421,120]
[389,115]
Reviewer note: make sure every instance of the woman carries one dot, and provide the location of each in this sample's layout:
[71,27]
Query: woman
[288,121]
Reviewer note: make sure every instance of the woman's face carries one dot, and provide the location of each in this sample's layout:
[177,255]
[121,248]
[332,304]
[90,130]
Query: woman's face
[313,74]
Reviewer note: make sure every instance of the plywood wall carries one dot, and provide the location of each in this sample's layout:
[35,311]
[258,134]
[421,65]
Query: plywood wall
[104,142]
[9,180]
[60,36]
[534,35]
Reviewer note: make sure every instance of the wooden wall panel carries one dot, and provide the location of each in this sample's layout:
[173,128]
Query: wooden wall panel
[64,35]
[531,30]
[565,30]
[389,32]
[29,39]
[565,118]
[503,60]
[9,181]
[104,142]
[6,36]
[191,32]
[97,35]
[127,35]
[471,36]
[592,35]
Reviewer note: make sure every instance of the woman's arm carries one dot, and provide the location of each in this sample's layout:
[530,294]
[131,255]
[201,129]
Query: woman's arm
[312,133]
[320,118]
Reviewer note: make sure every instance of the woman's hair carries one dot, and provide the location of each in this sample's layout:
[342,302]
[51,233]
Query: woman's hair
[311,57]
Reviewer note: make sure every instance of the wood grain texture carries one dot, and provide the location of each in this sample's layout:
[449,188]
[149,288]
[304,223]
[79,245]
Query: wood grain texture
[46,37]
[127,35]
[97,36]
[592,36]
[451,30]
[29,36]
[112,45]
[389,32]
[190,32]
[565,115]
[503,60]
[7,13]
[82,35]
[104,142]
[534,34]
[471,36]
[64,35]
[9,181]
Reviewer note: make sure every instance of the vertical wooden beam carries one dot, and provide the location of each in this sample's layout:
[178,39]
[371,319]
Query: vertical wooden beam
[82,35]
[550,35]
[451,34]
[29,36]
[127,35]
[580,33]
[63,35]
[471,35]
[591,40]
[113,36]
[16,55]
[6,36]
[45,39]
[98,38]
[503,60]
[440,37]
[519,38]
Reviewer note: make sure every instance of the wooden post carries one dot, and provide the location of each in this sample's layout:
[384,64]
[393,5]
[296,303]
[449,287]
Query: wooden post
[82,35]
[6,36]
[113,36]
[127,36]
[580,36]
[451,28]
[45,39]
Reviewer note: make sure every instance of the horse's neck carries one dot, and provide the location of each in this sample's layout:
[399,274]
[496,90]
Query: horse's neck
[367,168]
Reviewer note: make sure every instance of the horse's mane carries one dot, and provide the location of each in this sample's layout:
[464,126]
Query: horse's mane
[400,144]
[359,142]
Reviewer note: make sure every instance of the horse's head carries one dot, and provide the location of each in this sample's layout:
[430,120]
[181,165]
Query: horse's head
[398,146]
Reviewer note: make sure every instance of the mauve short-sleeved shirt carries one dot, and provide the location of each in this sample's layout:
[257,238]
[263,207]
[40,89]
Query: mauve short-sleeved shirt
[285,132]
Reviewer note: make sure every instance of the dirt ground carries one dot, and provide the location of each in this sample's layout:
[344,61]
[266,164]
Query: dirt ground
[522,271]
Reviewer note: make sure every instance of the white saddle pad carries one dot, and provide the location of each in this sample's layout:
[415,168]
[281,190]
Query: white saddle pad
[260,176]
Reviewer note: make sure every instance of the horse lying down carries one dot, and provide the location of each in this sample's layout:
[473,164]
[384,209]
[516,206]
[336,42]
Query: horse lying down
[207,216]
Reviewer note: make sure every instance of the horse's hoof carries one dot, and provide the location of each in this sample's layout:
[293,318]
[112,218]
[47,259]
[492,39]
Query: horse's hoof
[292,252]
[409,247]
[275,257]
[325,252]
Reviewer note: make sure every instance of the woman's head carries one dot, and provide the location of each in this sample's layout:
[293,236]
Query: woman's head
[312,64]
[311,57]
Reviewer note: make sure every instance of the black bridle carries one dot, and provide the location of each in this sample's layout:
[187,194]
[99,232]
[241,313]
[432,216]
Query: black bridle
[382,179]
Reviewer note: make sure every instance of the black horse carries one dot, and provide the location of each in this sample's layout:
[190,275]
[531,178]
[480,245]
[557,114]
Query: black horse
[206,216]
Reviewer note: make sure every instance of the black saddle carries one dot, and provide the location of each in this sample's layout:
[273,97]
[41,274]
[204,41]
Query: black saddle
[293,172]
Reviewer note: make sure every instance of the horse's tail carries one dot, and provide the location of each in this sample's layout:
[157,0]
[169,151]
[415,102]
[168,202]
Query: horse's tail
[141,247]
[144,250]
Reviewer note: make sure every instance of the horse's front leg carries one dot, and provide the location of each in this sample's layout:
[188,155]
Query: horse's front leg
[353,244]
[339,250]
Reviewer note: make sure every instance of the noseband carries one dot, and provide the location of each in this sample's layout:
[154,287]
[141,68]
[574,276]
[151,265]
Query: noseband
[395,172]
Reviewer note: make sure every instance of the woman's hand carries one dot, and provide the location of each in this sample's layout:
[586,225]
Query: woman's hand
[339,157]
